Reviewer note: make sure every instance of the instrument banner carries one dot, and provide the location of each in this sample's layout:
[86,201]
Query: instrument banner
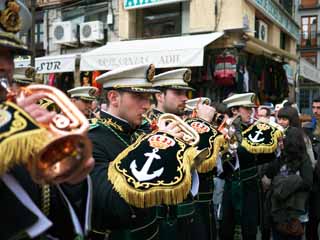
[261,137]
[210,139]
[155,170]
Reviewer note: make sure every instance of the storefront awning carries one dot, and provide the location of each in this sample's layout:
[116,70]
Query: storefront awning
[51,64]
[262,47]
[185,51]
[309,71]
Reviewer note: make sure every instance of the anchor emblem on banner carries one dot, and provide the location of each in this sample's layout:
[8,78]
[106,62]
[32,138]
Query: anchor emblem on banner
[256,138]
[143,175]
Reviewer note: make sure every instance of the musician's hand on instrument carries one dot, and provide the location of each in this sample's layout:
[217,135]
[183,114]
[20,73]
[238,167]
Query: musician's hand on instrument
[205,112]
[171,128]
[29,104]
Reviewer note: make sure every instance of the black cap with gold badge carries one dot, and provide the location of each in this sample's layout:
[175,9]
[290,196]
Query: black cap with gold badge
[136,78]
[14,18]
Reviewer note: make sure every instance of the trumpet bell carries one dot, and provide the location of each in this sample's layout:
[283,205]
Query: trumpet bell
[60,157]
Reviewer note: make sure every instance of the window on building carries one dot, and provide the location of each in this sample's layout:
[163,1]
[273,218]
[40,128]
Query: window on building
[311,57]
[86,13]
[288,5]
[308,3]
[283,40]
[309,25]
[161,21]
[39,33]
[306,97]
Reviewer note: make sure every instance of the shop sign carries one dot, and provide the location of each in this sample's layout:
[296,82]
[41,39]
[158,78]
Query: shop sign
[309,72]
[278,15]
[61,63]
[133,4]
[177,58]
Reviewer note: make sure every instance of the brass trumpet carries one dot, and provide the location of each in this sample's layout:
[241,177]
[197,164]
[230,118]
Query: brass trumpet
[190,135]
[228,130]
[66,144]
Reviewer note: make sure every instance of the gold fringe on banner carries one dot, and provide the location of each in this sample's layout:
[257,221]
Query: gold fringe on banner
[169,194]
[21,148]
[21,137]
[209,163]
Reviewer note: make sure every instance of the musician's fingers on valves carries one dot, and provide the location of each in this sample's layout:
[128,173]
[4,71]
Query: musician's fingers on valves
[171,128]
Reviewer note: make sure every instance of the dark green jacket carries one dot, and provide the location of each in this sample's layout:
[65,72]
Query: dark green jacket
[110,212]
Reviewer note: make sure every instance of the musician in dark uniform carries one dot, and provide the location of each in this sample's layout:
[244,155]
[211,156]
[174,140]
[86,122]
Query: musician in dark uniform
[27,213]
[83,97]
[128,92]
[191,219]
[240,202]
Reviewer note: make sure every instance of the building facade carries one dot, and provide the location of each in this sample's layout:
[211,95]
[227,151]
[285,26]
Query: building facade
[230,45]
[309,52]
[262,30]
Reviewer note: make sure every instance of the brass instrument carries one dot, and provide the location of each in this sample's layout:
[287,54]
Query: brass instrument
[271,123]
[66,145]
[228,130]
[190,135]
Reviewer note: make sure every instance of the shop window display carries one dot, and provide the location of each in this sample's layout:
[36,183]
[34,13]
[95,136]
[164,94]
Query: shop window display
[227,72]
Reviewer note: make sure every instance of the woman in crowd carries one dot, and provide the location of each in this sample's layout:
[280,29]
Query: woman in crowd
[290,182]
[289,117]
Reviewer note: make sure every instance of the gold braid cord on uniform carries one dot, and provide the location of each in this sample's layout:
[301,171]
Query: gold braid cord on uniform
[155,170]
[20,136]
[45,199]
[261,137]
[210,139]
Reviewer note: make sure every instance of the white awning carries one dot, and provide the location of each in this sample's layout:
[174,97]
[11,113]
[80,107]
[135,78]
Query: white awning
[309,71]
[185,51]
[51,64]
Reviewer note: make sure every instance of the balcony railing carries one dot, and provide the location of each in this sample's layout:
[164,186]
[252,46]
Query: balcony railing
[309,41]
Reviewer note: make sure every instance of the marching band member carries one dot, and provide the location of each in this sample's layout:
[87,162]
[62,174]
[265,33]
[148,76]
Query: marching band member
[28,213]
[195,220]
[83,97]
[128,93]
[256,144]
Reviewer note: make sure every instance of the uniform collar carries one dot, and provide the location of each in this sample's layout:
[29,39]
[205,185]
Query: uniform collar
[116,123]
[154,114]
